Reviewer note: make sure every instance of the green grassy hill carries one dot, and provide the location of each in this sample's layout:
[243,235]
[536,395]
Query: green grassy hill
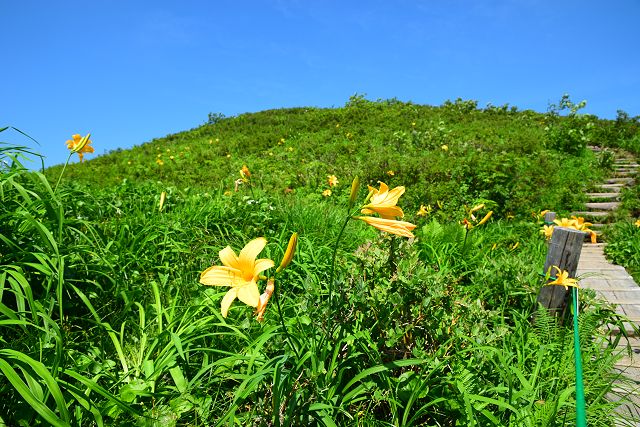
[520,160]
[105,319]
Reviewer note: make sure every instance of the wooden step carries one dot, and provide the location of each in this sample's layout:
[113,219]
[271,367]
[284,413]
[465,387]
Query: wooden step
[603,196]
[620,180]
[611,187]
[591,214]
[605,206]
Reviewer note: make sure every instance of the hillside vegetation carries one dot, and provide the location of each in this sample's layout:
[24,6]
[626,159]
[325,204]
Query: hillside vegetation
[520,160]
[115,294]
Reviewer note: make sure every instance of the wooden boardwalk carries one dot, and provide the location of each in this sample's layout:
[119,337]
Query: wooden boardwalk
[613,284]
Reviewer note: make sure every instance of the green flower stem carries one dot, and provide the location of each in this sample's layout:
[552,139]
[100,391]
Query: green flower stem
[464,244]
[62,173]
[393,265]
[333,259]
[581,414]
[284,326]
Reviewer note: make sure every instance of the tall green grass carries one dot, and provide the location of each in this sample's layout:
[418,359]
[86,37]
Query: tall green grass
[103,321]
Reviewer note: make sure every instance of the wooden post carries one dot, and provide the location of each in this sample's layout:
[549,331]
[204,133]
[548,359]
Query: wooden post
[564,252]
[549,217]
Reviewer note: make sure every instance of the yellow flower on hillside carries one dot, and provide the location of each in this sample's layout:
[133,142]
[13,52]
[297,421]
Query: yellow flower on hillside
[547,231]
[424,211]
[563,279]
[566,222]
[581,224]
[445,148]
[400,228]
[79,144]
[159,162]
[240,272]
[390,173]
[637,223]
[472,221]
[244,172]
[383,202]
[326,193]
[332,180]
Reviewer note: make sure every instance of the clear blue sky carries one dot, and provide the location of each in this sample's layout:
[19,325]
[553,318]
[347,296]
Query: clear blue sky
[130,71]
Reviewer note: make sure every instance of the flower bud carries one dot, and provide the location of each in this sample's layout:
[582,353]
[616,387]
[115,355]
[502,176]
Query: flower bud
[84,141]
[355,186]
[486,218]
[163,196]
[288,255]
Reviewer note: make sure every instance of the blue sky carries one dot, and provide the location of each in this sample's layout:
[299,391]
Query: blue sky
[130,71]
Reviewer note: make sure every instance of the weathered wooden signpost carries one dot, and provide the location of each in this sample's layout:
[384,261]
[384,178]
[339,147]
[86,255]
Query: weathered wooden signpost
[564,252]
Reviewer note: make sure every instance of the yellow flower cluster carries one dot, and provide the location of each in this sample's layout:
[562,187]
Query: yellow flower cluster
[576,223]
[471,220]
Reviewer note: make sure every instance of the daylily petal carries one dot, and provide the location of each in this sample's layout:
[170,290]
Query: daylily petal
[388,212]
[249,253]
[249,293]
[229,257]
[227,300]
[383,187]
[217,276]
[395,194]
[262,265]
[400,228]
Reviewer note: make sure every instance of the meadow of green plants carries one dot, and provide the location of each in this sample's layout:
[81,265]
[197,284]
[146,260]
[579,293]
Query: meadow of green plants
[104,321]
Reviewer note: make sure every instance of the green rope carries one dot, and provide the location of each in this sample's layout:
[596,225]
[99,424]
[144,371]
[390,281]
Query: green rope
[581,413]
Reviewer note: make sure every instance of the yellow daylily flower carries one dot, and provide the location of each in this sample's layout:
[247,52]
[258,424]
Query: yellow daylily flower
[424,211]
[390,172]
[563,279]
[637,223]
[326,193]
[240,272]
[244,172]
[383,202]
[400,228]
[547,231]
[332,180]
[580,223]
[565,222]
[79,144]
[468,223]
